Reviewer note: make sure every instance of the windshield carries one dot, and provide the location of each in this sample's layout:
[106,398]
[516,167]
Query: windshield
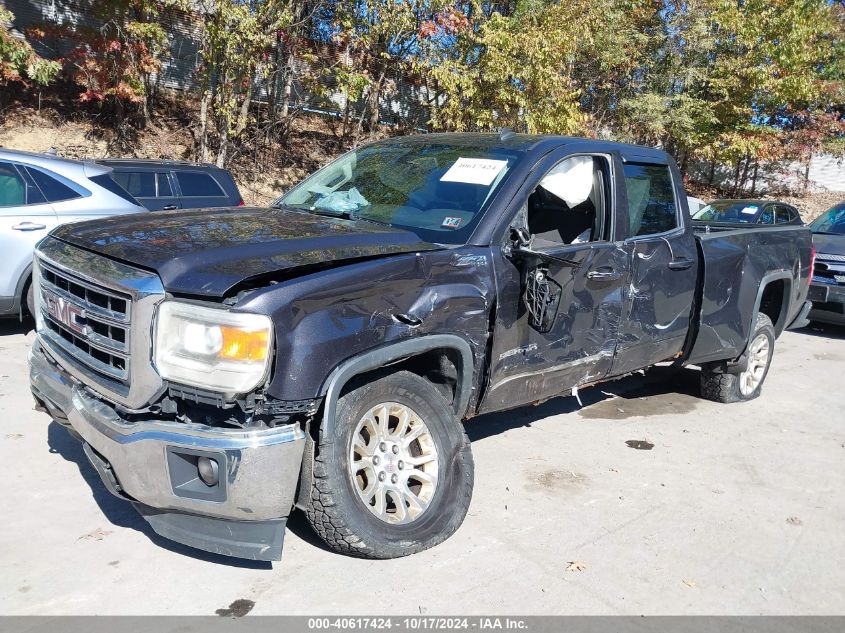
[729,211]
[831,221]
[438,190]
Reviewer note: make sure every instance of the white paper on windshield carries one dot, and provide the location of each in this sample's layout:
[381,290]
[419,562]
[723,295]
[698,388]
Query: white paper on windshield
[474,171]
[751,209]
[571,180]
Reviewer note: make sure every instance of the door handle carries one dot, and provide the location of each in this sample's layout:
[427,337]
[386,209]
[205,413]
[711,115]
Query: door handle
[29,226]
[169,207]
[607,274]
[682,263]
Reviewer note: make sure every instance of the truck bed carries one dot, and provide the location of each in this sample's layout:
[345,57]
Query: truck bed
[746,270]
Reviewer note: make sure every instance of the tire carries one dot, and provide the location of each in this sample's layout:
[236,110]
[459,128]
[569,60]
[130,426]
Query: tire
[342,474]
[740,386]
[30,300]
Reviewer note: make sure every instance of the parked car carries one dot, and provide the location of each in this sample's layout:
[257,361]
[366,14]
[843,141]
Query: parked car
[324,352]
[162,185]
[37,193]
[748,212]
[695,204]
[828,288]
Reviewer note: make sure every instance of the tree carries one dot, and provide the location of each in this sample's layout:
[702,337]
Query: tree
[237,38]
[19,63]
[516,70]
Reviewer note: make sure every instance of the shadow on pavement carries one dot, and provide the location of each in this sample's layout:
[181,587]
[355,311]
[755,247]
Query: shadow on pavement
[121,513]
[13,325]
[825,330]
[657,381]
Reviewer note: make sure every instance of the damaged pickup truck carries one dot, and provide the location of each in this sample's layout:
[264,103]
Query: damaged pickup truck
[223,367]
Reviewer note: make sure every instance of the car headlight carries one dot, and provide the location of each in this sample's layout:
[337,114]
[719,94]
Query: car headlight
[212,348]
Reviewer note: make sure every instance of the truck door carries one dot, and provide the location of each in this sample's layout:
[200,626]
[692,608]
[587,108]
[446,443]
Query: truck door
[560,297]
[663,264]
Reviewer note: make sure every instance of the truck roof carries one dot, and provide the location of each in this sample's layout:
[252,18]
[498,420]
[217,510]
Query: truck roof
[540,143]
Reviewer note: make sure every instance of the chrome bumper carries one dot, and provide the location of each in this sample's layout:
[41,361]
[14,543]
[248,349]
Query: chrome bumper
[150,462]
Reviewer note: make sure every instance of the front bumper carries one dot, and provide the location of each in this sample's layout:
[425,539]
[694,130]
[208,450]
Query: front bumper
[153,463]
[828,303]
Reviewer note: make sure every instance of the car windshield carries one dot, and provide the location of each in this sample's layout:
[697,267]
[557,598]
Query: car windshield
[728,211]
[831,221]
[436,189]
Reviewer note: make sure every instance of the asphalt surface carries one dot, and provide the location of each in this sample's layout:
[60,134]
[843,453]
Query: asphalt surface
[737,509]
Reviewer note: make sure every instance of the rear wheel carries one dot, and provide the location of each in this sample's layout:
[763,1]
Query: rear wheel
[395,474]
[747,382]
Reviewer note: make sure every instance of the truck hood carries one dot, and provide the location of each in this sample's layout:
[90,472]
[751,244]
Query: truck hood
[206,252]
[830,244]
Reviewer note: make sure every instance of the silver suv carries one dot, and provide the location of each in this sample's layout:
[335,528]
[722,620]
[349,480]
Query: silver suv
[37,193]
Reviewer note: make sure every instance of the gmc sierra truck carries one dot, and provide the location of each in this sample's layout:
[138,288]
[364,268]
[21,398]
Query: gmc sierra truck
[222,367]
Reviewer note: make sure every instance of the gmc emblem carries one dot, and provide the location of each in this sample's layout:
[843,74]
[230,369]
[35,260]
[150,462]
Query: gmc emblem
[65,313]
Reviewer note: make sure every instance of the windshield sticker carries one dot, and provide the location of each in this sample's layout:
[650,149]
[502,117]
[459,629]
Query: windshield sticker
[474,171]
[751,209]
[451,223]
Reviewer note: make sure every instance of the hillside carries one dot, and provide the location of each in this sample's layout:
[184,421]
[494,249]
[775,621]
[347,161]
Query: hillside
[261,175]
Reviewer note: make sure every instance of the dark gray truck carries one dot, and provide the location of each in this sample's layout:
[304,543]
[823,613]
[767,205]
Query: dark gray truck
[223,367]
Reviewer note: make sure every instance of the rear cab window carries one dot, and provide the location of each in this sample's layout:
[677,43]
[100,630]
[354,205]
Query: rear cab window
[652,208]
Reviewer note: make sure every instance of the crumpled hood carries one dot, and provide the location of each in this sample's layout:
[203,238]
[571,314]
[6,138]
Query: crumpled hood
[208,251]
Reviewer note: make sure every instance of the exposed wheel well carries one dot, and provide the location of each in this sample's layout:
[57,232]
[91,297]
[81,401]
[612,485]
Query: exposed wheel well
[772,303]
[442,367]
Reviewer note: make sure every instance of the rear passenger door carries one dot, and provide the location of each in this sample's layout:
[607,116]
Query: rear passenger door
[663,264]
[198,189]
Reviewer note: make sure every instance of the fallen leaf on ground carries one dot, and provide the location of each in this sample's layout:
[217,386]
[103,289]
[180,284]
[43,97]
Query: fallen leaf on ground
[689,583]
[794,521]
[576,565]
[96,535]
[14,436]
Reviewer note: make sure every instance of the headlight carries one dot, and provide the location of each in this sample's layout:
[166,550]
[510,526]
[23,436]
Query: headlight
[212,348]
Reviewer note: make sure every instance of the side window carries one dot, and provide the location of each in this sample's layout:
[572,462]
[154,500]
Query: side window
[194,183]
[568,206]
[12,187]
[140,184]
[794,215]
[53,189]
[767,216]
[651,199]
[164,190]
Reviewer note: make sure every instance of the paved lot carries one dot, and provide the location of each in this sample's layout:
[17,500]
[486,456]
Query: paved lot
[737,509]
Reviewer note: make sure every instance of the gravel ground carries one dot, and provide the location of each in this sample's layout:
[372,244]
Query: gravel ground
[737,509]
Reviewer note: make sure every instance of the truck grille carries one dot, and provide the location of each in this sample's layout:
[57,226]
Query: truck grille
[88,321]
[829,269]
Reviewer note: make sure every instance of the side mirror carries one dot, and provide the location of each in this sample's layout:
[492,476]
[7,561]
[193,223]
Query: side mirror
[522,247]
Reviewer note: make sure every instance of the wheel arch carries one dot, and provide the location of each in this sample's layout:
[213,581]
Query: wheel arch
[773,298]
[395,353]
[21,287]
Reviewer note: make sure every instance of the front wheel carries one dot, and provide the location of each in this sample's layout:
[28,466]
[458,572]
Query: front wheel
[30,300]
[394,475]
[747,383]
